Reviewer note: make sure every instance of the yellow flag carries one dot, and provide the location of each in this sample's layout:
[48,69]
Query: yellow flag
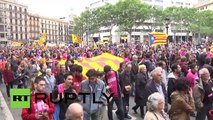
[42,39]
[34,43]
[74,38]
[16,44]
[95,46]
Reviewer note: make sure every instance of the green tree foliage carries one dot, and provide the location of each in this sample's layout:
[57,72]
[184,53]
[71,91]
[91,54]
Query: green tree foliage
[129,14]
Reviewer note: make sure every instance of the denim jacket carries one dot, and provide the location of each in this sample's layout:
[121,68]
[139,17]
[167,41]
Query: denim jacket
[100,88]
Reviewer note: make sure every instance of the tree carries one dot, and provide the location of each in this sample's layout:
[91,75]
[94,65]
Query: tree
[155,19]
[107,16]
[131,13]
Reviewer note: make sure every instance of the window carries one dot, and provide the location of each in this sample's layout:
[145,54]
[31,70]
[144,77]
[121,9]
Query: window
[159,1]
[20,9]
[16,28]
[1,20]
[20,29]
[21,36]
[10,7]
[179,3]
[15,8]
[16,36]
[2,35]
[188,4]
[25,10]
[11,36]
[172,2]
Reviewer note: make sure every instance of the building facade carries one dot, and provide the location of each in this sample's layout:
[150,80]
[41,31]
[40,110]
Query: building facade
[17,24]
[3,21]
[204,5]
[140,33]
[56,30]
[17,21]
[34,33]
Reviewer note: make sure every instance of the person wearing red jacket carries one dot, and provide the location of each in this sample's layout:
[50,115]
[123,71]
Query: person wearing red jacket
[8,77]
[78,78]
[34,113]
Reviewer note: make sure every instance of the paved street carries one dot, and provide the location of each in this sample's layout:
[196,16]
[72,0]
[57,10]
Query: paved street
[17,112]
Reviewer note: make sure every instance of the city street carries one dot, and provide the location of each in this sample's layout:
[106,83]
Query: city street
[17,112]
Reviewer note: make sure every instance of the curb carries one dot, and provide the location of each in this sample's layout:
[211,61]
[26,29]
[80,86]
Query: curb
[7,115]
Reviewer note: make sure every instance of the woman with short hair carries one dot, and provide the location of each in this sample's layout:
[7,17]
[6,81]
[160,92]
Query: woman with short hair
[155,106]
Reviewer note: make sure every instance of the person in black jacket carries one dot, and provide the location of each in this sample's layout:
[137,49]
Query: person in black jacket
[64,88]
[134,72]
[60,75]
[156,85]
[142,79]
[125,78]
[20,77]
[207,65]
[172,77]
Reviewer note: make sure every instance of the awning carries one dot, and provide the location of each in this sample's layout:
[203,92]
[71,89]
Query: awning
[105,39]
[124,38]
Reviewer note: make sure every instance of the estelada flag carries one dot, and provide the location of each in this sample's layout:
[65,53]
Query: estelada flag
[157,38]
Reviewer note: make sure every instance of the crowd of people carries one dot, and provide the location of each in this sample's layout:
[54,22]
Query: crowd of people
[167,83]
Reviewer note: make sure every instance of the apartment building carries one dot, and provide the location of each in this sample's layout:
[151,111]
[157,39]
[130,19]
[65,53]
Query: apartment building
[204,5]
[3,21]
[56,30]
[17,21]
[34,33]
[17,24]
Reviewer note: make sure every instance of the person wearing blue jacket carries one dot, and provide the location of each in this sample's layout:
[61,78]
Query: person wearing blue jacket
[95,89]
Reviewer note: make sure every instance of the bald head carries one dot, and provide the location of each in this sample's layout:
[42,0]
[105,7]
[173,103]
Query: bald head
[75,112]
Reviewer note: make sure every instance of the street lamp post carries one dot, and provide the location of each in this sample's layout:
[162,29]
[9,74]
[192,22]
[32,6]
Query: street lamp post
[167,20]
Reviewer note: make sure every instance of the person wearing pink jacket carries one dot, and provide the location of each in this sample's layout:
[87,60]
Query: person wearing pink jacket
[192,75]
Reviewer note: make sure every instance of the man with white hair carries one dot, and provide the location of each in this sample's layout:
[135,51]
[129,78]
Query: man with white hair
[74,112]
[50,81]
[156,85]
[203,95]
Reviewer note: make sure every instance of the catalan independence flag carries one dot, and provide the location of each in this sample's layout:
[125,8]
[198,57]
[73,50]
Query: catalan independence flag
[157,38]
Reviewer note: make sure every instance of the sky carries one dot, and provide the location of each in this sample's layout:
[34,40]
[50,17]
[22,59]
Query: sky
[55,8]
